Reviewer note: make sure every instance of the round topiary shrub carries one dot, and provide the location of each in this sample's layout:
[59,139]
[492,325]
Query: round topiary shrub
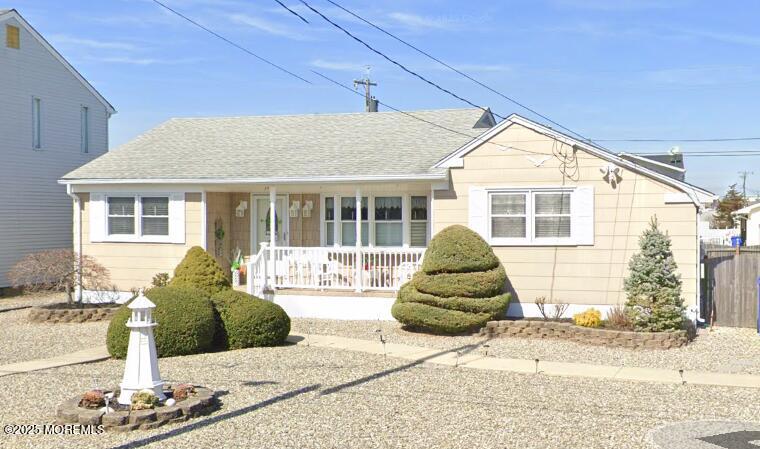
[199,270]
[185,318]
[249,321]
[459,288]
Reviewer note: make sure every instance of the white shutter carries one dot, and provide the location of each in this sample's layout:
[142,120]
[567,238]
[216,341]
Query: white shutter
[583,215]
[177,218]
[478,211]
[97,212]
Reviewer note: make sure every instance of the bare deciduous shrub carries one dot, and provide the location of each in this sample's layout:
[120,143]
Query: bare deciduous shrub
[558,309]
[617,318]
[59,270]
[541,304]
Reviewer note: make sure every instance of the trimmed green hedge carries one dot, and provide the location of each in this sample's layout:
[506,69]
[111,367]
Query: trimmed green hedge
[429,318]
[459,288]
[248,321]
[493,306]
[199,270]
[185,319]
[457,249]
[478,284]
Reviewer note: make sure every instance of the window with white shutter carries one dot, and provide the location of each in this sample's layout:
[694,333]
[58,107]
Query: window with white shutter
[418,221]
[152,218]
[536,216]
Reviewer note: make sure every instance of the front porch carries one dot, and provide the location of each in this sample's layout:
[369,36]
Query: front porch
[335,238]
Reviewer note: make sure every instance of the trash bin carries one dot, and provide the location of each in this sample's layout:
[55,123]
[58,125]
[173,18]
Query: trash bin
[736,241]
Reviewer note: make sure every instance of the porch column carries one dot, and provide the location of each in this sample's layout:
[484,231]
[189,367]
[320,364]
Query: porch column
[272,233]
[358,265]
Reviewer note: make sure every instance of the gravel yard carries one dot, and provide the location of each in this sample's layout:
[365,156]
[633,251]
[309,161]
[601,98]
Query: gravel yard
[307,397]
[23,341]
[722,350]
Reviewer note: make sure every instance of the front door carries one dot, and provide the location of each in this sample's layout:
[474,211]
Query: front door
[262,221]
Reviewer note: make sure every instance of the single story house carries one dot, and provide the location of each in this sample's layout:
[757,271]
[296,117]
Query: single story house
[356,198]
[749,219]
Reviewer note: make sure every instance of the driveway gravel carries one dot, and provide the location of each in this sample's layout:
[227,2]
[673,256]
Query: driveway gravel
[308,397]
[729,350]
[23,341]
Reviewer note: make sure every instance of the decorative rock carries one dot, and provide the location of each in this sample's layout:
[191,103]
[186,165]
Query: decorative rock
[169,402]
[167,413]
[141,416]
[589,336]
[89,417]
[190,406]
[115,419]
[126,427]
[152,425]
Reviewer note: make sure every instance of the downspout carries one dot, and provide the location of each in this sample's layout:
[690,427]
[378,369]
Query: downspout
[78,243]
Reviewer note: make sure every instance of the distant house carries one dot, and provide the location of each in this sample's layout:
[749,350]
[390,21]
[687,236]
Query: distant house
[51,121]
[334,212]
[749,223]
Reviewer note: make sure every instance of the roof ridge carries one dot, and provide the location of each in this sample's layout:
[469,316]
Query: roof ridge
[317,114]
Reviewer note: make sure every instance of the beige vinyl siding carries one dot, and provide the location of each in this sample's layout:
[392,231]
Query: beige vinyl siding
[133,265]
[574,274]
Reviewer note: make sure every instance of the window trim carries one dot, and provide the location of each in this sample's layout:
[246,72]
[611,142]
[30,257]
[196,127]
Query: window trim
[138,236]
[427,220]
[84,117]
[36,123]
[399,221]
[371,222]
[530,239]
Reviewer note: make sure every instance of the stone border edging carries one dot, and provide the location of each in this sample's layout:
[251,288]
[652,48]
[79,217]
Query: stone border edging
[586,335]
[203,402]
[42,314]
[420,354]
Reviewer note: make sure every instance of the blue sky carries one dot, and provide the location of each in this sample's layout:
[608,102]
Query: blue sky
[607,69]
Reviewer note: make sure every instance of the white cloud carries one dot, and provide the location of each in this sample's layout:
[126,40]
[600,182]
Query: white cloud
[415,21]
[728,38]
[63,39]
[266,26]
[343,66]
[621,5]
[143,61]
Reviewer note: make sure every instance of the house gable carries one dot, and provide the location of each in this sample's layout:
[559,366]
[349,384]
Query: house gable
[543,136]
[15,18]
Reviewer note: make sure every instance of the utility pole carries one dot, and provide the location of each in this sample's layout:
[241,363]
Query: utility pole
[370,103]
[743,175]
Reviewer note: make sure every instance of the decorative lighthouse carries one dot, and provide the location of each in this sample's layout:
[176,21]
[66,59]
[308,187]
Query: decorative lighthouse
[141,369]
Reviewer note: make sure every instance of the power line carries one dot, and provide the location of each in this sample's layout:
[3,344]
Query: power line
[291,11]
[469,77]
[717,139]
[346,87]
[396,63]
[240,47]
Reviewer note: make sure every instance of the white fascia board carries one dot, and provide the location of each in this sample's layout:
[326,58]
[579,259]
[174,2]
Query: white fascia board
[698,196]
[30,29]
[455,159]
[266,181]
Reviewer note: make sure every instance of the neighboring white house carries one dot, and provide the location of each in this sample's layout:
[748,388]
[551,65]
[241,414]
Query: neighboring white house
[51,121]
[751,214]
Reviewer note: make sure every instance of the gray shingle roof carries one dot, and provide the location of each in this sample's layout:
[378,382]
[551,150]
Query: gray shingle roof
[289,146]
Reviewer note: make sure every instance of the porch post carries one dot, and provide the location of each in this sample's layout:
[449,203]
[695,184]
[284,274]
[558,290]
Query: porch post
[272,233]
[358,266]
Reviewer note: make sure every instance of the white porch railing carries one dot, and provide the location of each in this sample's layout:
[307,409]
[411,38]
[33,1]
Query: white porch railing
[322,268]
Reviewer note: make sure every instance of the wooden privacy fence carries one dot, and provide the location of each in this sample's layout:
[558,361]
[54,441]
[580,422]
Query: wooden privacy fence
[730,286]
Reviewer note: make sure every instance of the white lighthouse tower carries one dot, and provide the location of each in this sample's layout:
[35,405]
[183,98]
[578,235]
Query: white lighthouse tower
[141,369]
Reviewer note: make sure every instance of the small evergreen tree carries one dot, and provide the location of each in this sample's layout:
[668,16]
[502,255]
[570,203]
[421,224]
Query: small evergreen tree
[733,200]
[653,285]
